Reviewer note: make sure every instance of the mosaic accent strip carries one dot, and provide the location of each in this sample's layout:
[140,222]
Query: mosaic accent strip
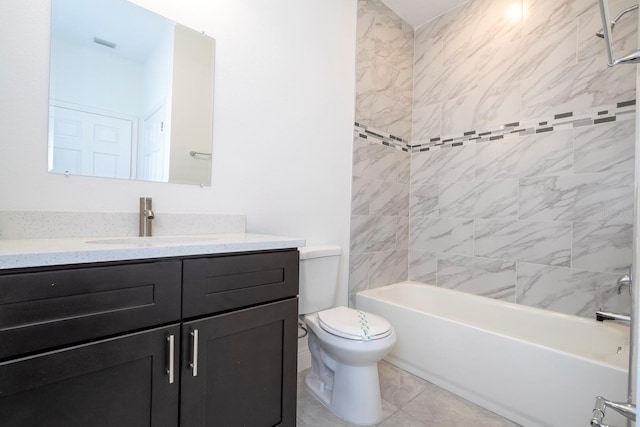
[621,111]
[368,133]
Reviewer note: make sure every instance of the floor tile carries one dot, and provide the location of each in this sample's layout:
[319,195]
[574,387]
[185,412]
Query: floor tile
[437,407]
[408,401]
[401,419]
[397,386]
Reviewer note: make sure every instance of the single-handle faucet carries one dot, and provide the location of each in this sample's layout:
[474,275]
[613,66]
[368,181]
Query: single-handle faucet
[628,410]
[607,315]
[146,215]
[624,281]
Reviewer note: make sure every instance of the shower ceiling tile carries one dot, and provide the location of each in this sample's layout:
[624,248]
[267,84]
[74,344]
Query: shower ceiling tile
[417,13]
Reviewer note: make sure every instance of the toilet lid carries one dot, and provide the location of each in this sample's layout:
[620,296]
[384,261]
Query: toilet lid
[354,324]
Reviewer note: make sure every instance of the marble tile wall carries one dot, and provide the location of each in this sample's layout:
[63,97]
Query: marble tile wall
[491,62]
[544,218]
[528,219]
[381,161]
[384,69]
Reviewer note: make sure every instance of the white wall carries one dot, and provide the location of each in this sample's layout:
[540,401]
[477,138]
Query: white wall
[158,74]
[283,118]
[95,77]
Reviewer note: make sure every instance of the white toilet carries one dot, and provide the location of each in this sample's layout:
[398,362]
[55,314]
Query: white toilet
[345,344]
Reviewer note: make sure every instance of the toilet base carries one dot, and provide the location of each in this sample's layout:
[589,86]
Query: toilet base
[352,392]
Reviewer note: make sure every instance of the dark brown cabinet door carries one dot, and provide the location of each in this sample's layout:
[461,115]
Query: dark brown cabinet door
[239,368]
[116,382]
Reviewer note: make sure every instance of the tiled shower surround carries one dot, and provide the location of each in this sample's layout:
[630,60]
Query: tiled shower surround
[517,179]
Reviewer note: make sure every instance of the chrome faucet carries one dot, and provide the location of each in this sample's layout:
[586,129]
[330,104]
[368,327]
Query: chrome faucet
[624,281]
[607,315]
[146,215]
[628,410]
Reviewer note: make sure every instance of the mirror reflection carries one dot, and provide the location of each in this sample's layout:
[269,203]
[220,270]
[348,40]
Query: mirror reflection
[131,94]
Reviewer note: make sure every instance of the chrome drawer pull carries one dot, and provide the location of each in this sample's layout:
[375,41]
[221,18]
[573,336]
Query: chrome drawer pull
[194,352]
[171,347]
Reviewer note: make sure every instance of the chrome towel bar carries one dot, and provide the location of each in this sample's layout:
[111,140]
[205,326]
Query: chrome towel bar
[193,153]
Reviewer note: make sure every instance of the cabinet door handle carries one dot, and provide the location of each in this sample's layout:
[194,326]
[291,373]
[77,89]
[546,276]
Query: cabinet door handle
[194,352]
[170,358]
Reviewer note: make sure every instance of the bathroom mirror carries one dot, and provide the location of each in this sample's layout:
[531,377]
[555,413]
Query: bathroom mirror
[131,94]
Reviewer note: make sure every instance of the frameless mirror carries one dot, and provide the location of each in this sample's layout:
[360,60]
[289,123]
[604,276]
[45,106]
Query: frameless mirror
[131,94]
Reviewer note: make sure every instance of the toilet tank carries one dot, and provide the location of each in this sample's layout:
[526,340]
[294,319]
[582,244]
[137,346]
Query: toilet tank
[318,277]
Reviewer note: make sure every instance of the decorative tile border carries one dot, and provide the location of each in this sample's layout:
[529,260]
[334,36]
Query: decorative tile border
[365,132]
[621,111]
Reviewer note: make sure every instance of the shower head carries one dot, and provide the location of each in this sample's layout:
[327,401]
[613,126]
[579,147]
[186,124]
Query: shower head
[615,20]
[601,32]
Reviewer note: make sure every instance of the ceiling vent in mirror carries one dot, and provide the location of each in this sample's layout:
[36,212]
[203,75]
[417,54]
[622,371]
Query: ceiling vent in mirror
[104,42]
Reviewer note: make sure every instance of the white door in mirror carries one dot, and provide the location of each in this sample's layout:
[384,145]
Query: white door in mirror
[90,144]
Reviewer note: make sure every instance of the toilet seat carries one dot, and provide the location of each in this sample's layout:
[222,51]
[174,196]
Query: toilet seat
[353,324]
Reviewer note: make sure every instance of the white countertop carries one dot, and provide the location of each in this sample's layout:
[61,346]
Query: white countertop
[46,252]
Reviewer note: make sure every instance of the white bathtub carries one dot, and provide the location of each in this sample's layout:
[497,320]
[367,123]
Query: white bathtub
[532,366]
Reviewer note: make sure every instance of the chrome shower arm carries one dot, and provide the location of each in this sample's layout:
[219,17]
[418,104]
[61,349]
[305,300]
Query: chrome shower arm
[607,27]
[615,20]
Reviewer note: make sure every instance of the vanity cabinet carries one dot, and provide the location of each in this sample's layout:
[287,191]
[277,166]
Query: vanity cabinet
[193,341]
[113,382]
[239,368]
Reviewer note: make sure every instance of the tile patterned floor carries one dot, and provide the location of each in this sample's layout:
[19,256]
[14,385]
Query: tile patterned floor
[407,401]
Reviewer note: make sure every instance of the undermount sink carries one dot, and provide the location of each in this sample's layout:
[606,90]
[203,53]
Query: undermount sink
[151,241]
